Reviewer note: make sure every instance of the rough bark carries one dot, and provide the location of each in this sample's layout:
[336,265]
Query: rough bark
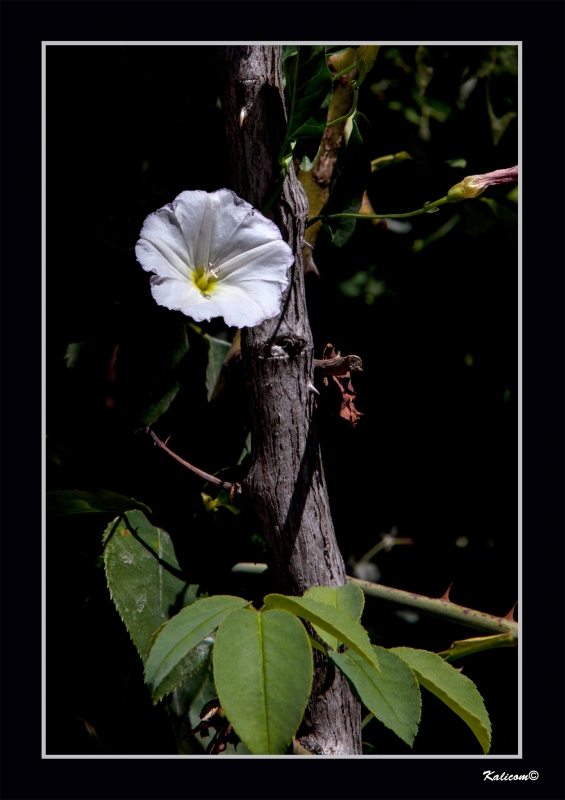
[286,480]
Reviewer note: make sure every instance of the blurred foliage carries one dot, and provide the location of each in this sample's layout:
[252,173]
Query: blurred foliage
[429,305]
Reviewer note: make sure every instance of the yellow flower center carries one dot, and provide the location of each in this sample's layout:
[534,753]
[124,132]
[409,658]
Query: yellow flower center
[205,278]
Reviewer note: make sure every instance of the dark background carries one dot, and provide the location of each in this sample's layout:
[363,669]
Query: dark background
[435,454]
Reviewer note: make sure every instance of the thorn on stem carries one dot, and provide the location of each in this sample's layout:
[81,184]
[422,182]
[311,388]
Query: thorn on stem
[445,596]
[510,615]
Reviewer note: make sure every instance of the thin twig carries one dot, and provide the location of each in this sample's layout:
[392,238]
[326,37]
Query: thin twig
[201,474]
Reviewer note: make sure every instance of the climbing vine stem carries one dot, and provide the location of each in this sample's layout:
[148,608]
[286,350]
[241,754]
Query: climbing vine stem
[429,208]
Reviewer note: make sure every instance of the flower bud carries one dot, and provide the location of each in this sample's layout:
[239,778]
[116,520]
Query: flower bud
[474,185]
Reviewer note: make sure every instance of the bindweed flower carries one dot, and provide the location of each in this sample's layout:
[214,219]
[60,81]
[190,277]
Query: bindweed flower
[214,255]
[474,185]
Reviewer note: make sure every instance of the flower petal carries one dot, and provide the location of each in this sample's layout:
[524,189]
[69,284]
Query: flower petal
[184,297]
[195,212]
[235,305]
[238,227]
[226,225]
[242,308]
[162,247]
[270,260]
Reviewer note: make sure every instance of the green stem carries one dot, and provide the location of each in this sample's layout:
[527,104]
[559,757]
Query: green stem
[372,552]
[284,163]
[343,71]
[424,210]
[435,606]
[441,608]
[252,568]
[379,546]
[367,719]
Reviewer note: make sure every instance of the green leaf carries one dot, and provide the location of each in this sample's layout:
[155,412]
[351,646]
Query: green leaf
[185,705]
[308,93]
[331,49]
[352,178]
[349,599]
[328,231]
[263,673]
[73,501]
[331,620]
[246,449]
[477,644]
[500,124]
[334,49]
[188,665]
[143,576]
[217,352]
[221,501]
[150,414]
[454,689]
[72,354]
[170,660]
[354,286]
[392,696]
[317,646]
[289,50]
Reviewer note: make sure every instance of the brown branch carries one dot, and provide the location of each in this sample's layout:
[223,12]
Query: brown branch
[201,474]
[340,365]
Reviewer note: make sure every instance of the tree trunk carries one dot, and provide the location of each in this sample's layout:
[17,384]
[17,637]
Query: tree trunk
[286,481]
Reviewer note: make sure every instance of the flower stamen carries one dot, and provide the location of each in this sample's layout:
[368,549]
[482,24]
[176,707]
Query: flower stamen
[206,277]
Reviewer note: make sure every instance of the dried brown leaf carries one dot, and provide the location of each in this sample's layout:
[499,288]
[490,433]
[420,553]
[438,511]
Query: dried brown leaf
[347,409]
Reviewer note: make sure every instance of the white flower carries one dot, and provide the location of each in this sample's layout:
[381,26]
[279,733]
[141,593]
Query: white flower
[214,255]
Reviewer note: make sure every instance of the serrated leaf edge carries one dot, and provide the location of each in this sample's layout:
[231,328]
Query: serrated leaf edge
[105,537]
[376,715]
[160,696]
[210,632]
[422,681]
[440,694]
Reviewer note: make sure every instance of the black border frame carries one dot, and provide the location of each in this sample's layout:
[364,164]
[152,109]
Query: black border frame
[26,25]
